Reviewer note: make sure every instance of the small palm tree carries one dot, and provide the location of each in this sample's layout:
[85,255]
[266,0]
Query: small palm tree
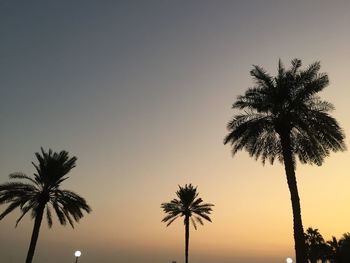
[345,248]
[283,118]
[315,244]
[335,246]
[325,252]
[188,206]
[42,191]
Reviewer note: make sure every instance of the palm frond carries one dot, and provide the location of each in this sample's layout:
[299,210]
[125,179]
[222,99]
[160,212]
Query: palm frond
[199,220]
[25,209]
[15,190]
[59,212]
[172,220]
[74,200]
[14,204]
[204,215]
[296,64]
[22,176]
[261,77]
[69,215]
[288,103]
[49,216]
[193,223]
[170,216]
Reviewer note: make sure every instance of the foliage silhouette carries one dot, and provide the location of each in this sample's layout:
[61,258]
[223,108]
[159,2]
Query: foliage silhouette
[190,207]
[345,248]
[333,251]
[283,118]
[316,246]
[335,245]
[339,250]
[42,191]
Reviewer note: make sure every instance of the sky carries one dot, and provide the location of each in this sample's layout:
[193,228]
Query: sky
[141,92]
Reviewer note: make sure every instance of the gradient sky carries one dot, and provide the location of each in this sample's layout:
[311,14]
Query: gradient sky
[140,92]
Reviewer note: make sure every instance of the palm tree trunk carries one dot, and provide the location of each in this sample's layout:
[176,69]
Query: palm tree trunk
[35,234]
[187,236]
[289,165]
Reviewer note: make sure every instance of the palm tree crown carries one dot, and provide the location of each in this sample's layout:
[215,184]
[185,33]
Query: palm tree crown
[44,189]
[286,104]
[188,205]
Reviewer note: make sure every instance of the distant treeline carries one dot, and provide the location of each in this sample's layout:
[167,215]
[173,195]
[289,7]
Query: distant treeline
[333,251]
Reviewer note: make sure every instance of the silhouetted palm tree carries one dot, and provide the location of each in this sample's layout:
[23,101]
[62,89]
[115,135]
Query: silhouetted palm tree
[325,252]
[345,248]
[42,191]
[284,118]
[188,206]
[335,249]
[315,244]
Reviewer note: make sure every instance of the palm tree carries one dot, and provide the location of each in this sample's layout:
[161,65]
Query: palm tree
[340,249]
[189,206]
[42,191]
[283,118]
[325,252]
[315,244]
[335,246]
[345,248]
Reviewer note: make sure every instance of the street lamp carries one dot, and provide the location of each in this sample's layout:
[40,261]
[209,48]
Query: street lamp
[289,260]
[77,254]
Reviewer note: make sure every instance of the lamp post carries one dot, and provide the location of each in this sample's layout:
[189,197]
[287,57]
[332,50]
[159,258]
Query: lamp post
[289,260]
[77,254]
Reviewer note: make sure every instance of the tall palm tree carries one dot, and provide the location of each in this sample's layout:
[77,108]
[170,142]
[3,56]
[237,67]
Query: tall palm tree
[41,192]
[283,118]
[188,206]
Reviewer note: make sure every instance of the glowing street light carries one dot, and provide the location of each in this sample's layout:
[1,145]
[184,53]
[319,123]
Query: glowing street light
[289,260]
[77,254]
